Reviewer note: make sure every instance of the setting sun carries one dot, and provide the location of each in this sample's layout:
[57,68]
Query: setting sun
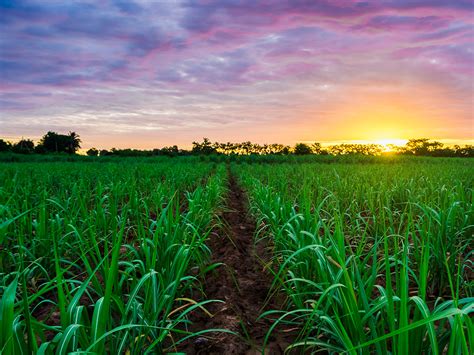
[389,144]
[380,119]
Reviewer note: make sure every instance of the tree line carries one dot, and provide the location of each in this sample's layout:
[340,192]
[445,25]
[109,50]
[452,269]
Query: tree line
[53,142]
[419,146]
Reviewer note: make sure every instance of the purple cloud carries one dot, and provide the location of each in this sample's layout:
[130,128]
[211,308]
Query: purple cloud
[124,59]
[404,23]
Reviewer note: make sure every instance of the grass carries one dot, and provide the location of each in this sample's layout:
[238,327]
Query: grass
[372,258]
[98,258]
[374,255]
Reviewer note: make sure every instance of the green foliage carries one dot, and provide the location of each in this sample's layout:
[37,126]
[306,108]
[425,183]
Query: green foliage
[97,257]
[373,258]
[106,254]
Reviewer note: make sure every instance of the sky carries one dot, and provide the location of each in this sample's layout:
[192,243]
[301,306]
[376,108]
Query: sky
[146,74]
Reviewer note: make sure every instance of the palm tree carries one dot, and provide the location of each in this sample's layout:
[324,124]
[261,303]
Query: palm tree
[74,143]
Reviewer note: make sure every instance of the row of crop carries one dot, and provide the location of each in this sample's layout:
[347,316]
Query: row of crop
[372,259]
[98,258]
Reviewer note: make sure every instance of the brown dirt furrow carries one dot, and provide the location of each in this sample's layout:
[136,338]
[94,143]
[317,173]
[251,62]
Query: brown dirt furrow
[242,283]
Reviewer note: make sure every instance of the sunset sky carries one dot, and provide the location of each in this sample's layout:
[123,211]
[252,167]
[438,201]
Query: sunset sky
[145,74]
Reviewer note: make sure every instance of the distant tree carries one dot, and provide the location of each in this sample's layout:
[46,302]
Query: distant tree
[61,143]
[302,149]
[39,149]
[73,143]
[170,151]
[337,149]
[246,147]
[206,147]
[229,148]
[24,146]
[466,151]
[5,146]
[51,142]
[224,148]
[276,148]
[285,150]
[361,149]
[104,152]
[316,148]
[422,146]
[92,152]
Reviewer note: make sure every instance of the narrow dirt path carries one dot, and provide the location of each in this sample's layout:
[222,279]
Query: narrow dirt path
[243,283]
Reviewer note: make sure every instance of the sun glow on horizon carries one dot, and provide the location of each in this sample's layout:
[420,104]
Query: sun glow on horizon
[387,118]
[389,144]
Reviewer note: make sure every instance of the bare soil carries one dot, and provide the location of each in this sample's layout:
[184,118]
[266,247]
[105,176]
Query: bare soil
[243,283]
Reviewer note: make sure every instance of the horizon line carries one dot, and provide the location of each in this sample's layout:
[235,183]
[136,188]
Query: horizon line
[324,143]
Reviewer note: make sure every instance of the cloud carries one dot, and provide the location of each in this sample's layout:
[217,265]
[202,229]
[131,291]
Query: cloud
[404,23]
[257,59]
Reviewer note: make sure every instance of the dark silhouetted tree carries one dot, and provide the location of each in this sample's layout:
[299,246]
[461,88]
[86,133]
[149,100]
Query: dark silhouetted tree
[92,152]
[316,148]
[361,149]
[466,151]
[206,147]
[302,149]
[73,143]
[24,146]
[169,151]
[422,146]
[53,142]
[39,149]
[5,146]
